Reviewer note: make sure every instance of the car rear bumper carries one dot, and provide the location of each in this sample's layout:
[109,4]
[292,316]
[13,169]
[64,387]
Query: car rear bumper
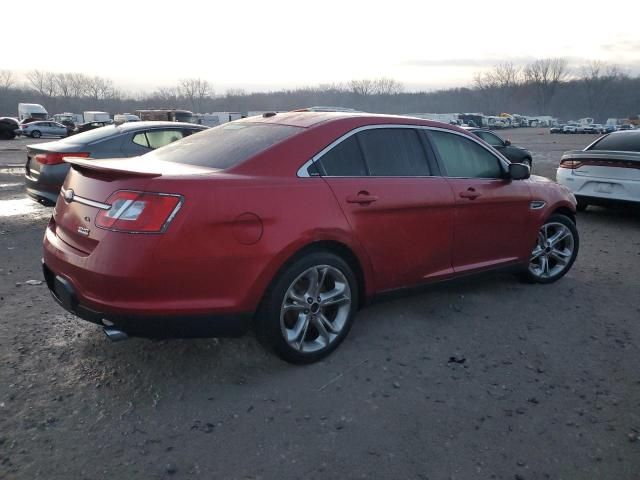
[150,326]
[606,190]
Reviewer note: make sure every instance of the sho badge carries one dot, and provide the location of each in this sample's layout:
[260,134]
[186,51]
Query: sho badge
[83,231]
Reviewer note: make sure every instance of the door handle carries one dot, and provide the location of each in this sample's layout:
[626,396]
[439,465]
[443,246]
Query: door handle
[363,198]
[470,193]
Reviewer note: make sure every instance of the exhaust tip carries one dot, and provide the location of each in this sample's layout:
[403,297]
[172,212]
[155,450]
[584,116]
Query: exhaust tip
[114,334]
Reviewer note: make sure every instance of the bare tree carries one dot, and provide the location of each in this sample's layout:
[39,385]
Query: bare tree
[99,88]
[196,90]
[78,85]
[599,79]
[7,80]
[362,87]
[235,92]
[333,87]
[387,86]
[43,82]
[168,95]
[544,76]
[64,84]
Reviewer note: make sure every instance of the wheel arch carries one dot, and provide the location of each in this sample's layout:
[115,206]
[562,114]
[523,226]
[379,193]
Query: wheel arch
[566,211]
[341,249]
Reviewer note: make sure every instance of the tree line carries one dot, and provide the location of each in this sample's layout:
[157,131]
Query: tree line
[542,87]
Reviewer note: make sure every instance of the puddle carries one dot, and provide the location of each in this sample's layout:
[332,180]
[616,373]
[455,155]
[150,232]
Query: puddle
[12,171]
[23,206]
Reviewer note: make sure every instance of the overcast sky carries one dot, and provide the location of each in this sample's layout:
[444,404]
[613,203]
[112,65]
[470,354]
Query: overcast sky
[274,44]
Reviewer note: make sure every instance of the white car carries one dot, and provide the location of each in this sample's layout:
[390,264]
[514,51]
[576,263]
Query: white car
[43,128]
[570,128]
[607,171]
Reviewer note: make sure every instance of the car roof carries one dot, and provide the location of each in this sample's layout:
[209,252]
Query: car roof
[129,126]
[311,119]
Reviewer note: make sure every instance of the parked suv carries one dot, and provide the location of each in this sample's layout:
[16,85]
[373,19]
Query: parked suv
[513,153]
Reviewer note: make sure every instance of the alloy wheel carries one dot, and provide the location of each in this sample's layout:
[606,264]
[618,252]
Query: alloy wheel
[315,309]
[553,252]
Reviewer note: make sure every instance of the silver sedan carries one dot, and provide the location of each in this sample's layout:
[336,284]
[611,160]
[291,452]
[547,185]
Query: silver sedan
[43,129]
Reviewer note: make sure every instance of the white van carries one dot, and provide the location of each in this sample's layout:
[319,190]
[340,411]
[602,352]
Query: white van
[31,110]
[96,117]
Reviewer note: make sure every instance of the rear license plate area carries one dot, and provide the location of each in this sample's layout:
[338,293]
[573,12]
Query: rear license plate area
[604,187]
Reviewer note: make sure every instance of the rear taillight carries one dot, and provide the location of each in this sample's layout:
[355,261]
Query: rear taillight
[139,212]
[55,158]
[572,164]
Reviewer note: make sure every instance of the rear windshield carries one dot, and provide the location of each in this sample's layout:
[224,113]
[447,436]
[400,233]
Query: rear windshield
[92,135]
[620,142]
[225,146]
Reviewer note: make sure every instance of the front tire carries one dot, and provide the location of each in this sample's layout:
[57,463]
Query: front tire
[309,308]
[555,250]
[36,134]
[581,205]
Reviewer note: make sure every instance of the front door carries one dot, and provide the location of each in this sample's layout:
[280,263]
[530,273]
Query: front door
[493,223]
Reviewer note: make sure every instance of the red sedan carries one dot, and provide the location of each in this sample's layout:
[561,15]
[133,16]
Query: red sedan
[291,222]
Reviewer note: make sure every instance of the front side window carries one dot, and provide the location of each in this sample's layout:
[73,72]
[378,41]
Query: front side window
[344,160]
[394,152]
[464,158]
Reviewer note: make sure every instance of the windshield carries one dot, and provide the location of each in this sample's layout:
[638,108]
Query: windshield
[225,146]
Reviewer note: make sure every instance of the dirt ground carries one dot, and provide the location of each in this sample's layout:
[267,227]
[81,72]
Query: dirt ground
[485,378]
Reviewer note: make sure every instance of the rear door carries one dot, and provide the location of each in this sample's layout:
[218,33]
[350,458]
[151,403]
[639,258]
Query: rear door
[493,223]
[400,212]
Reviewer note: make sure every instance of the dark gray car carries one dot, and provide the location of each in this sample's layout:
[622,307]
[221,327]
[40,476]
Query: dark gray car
[511,152]
[45,170]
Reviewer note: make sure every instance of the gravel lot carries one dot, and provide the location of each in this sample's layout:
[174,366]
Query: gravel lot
[477,379]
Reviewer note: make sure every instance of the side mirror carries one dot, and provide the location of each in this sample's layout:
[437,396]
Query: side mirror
[507,143]
[519,171]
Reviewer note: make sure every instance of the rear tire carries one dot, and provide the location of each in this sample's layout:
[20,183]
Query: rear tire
[555,250]
[36,134]
[309,308]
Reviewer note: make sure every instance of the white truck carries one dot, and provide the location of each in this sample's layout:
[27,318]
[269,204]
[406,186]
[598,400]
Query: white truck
[31,110]
[96,117]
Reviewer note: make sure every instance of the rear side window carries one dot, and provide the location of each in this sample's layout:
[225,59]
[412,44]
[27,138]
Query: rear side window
[463,158]
[225,146]
[141,139]
[157,138]
[344,160]
[621,142]
[394,152]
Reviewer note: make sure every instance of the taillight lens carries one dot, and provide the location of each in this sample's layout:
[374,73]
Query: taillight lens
[55,158]
[572,164]
[139,212]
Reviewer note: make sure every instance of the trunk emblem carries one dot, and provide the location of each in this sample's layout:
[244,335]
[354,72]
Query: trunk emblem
[83,231]
[68,196]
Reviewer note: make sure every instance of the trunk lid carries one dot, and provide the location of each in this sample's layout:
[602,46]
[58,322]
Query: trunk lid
[605,164]
[90,183]
[33,165]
